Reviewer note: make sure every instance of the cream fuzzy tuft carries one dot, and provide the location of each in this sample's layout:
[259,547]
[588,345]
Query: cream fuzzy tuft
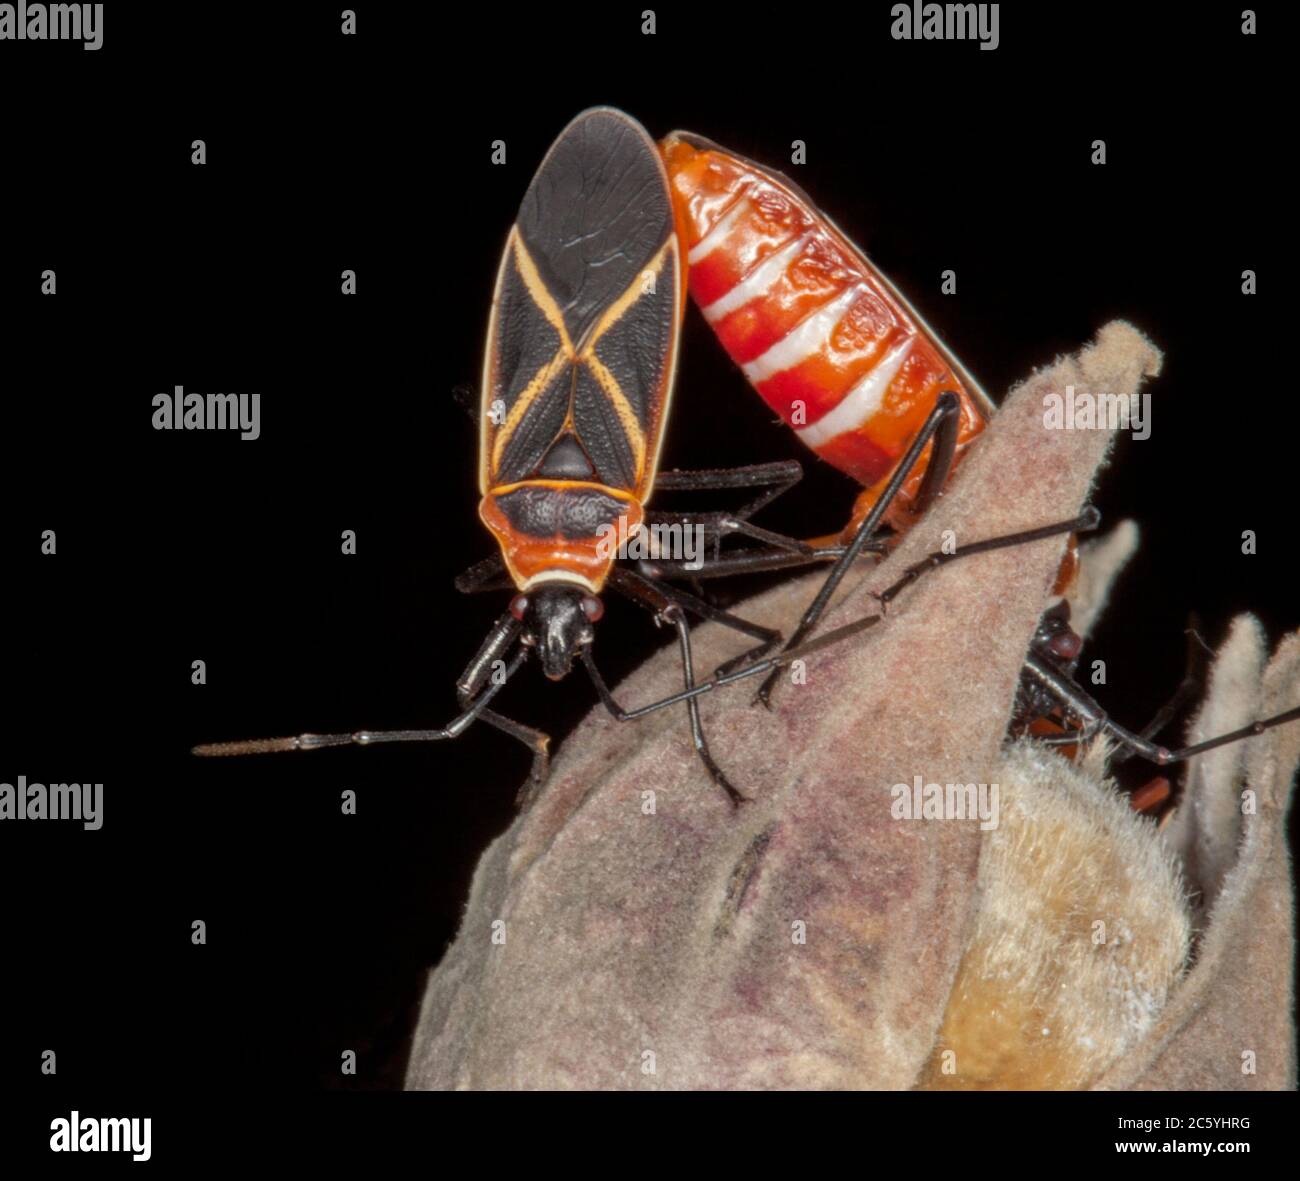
[1081,932]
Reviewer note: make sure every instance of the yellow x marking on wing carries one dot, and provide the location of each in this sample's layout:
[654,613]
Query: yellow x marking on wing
[567,355]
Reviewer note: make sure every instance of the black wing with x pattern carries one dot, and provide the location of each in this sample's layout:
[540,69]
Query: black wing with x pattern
[583,337]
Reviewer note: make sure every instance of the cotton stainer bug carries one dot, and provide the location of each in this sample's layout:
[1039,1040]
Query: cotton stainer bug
[832,346]
[577,379]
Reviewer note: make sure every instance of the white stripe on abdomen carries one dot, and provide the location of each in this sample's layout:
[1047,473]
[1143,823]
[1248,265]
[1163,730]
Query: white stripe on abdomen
[861,402]
[803,340]
[716,236]
[757,283]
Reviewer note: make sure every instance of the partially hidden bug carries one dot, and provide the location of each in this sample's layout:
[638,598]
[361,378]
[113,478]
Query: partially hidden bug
[843,357]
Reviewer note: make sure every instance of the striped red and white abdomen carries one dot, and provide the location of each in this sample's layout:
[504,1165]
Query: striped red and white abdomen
[823,337]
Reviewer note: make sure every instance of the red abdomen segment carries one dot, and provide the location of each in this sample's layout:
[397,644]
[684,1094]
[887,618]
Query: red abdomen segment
[822,336]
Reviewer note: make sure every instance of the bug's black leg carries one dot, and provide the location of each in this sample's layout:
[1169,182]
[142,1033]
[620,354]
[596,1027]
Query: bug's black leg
[1086,520]
[777,478]
[749,561]
[655,596]
[665,604]
[675,616]
[495,645]
[939,468]
[768,536]
[1095,720]
[943,421]
[651,595]
[1032,700]
[537,741]
[453,729]
[471,682]
[767,664]
[678,619]
[1188,687]
[487,575]
[717,525]
[781,552]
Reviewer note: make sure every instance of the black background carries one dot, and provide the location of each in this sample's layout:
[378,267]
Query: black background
[373,153]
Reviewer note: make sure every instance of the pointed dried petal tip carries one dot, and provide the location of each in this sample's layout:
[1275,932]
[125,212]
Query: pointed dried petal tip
[632,930]
[1230,1022]
[1100,564]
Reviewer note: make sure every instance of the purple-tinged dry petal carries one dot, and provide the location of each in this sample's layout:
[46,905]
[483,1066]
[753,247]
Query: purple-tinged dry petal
[810,940]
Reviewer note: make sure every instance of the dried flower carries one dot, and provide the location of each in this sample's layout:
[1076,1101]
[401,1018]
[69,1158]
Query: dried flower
[632,931]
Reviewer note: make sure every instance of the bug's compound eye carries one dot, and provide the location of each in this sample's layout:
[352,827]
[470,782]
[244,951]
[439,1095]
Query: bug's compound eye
[518,605]
[592,607]
[1067,645]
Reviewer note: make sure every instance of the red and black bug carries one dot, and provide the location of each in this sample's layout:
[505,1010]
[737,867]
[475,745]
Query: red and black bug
[577,380]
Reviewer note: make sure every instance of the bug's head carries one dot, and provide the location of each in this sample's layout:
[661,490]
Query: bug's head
[558,623]
[1056,639]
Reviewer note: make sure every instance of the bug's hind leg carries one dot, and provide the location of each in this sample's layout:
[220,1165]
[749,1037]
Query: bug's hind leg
[942,425]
